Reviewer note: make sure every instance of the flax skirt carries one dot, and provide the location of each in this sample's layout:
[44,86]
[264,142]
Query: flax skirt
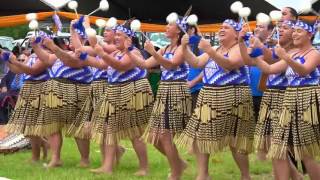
[171,110]
[270,107]
[24,117]
[122,112]
[62,100]
[207,126]
[298,130]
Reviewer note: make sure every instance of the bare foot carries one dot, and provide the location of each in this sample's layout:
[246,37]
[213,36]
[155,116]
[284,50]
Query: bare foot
[207,177]
[101,170]
[84,164]
[183,167]
[120,151]
[53,164]
[141,172]
[32,161]
[245,178]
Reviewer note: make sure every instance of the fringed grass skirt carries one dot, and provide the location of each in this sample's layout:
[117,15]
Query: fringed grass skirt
[80,128]
[24,117]
[270,107]
[61,103]
[298,130]
[114,117]
[207,126]
[171,110]
[241,130]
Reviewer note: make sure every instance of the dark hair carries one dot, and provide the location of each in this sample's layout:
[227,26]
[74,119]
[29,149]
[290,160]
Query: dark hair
[17,50]
[60,42]
[195,49]
[293,12]
[270,26]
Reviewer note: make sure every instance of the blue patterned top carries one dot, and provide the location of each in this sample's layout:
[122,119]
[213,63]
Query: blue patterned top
[115,76]
[99,73]
[180,73]
[216,75]
[277,80]
[294,79]
[39,77]
[61,71]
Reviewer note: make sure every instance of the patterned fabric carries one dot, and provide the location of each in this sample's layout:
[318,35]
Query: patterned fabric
[61,71]
[305,26]
[39,77]
[17,82]
[216,75]
[115,76]
[294,79]
[180,73]
[99,73]
[236,26]
[125,30]
[182,23]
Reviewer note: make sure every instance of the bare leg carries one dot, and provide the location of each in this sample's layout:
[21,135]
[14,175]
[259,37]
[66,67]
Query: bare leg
[45,148]
[202,162]
[84,149]
[141,151]
[177,165]
[35,148]
[55,141]
[294,172]
[313,168]
[107,165]
[242,162]
[281,169]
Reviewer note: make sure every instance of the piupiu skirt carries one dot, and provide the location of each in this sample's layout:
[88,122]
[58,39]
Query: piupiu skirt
[171,110]
[115,116]
[24,117]
[297,130]
[62,100]
[270,107]
[211,117]
[80,128]
[242,125]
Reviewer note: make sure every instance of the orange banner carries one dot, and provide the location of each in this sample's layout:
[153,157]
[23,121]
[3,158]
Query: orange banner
[15,20]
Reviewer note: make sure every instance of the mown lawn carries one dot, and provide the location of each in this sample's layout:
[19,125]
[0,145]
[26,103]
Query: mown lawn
[222,166]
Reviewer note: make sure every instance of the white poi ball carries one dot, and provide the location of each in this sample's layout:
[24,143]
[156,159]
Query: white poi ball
[192,20]
[104,5]
[172,18]
[101,23]
[236,6]
[244,12]
[135,25]
[31,16]
[73,5]
[91,32]
[263,19]
[33,25]
[112,22]
[306,7]
[275,15]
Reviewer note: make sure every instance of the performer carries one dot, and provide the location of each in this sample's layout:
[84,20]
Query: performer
[297,131]
[172,106]
[24,117]
[122,112]
[225,79]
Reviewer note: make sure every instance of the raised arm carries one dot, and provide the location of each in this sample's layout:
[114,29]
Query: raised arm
[37,68]
[275,68]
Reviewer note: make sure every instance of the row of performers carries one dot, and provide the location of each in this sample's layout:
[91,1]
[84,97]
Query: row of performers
[99,91]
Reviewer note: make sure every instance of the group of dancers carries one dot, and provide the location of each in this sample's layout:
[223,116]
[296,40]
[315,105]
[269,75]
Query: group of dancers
[99,90]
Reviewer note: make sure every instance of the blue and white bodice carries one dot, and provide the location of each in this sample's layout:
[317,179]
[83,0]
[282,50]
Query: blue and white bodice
[60,71]
[217,76]
[43,76]
[99,73]
[179,73]
[294,79]
[116,76]
[277,80]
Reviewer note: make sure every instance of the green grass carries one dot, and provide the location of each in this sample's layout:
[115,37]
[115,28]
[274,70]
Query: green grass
[222,166]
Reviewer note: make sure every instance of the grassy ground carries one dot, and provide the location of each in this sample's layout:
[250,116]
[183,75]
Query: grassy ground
[222,166]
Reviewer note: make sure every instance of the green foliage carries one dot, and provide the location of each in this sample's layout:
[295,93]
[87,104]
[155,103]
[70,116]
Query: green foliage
[17,32]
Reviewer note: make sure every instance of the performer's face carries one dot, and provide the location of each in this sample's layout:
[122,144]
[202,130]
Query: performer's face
[300,36]
[227,32]
[261,31]
[172,30]
[119,39]
[286,15]
[285,33]
[108,35]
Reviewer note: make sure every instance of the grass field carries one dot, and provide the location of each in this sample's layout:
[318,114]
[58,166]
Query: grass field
[222,166]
